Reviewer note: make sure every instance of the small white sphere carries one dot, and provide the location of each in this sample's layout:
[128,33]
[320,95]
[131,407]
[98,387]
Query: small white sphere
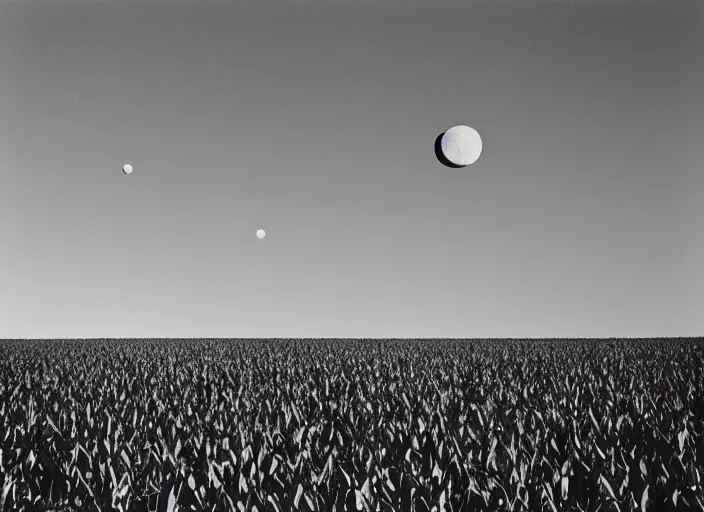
[462,145]
[261,234]
[127,169]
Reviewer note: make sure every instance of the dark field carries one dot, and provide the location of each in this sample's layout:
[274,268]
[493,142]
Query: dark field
[352,425]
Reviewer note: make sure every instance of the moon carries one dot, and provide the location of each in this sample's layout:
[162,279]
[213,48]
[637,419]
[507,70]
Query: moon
[127,169]
[261,234]
[459,146]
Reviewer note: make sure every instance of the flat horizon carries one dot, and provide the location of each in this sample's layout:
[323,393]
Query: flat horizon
[366,339]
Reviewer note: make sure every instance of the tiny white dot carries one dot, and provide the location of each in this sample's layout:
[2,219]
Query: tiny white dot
[127,169]
[261,234]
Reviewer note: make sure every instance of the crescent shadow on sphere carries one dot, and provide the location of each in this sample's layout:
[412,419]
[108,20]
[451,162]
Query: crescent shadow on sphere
[440,155]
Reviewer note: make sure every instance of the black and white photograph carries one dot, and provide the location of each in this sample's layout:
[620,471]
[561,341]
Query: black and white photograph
[351,255]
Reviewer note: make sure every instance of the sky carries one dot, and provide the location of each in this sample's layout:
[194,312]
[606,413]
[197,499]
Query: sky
[316,121]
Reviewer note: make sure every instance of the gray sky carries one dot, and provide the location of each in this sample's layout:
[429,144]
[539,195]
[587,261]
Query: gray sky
[315,120]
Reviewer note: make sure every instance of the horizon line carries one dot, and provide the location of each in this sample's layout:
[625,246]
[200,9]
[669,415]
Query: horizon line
[537,338]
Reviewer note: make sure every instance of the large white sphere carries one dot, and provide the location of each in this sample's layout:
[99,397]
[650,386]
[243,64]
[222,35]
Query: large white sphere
[127,169]
[461,145]
[261,234]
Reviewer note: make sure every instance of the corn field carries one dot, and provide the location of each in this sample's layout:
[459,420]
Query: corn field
[368,425]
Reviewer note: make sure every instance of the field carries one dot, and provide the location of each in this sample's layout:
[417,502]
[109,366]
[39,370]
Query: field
[303,425]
